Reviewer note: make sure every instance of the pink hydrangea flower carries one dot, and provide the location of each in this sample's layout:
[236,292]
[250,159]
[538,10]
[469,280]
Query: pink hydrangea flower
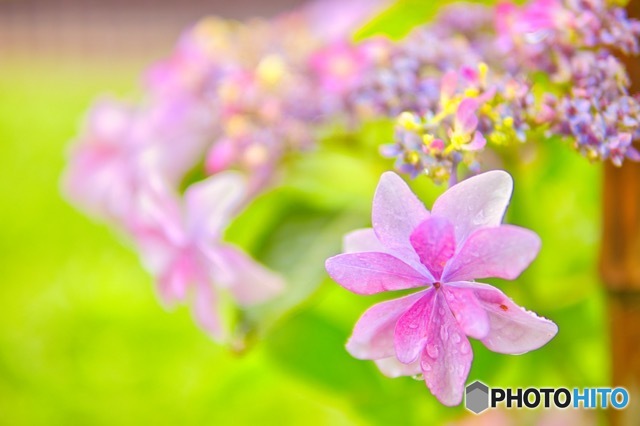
[441,253]
[106,163]
[339,66]
[181,244]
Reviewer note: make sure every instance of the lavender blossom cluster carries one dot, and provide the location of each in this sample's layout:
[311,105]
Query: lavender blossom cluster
[584,96]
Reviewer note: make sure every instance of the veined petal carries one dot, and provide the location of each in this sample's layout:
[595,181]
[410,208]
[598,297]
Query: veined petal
[362,240]
[393,368]
[500,252]
[369,273]
[395,214]
[435,243]
[446,358]
[513,330]
[468,312]
[372,336]
[477,202]
[211,203]
[411,329]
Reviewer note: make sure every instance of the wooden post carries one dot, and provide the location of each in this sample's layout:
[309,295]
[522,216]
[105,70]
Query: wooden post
[620,265]
[620,268]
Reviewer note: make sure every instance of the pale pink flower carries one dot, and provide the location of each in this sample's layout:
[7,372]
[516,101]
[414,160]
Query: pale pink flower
[122,149]
[105,163]
[181,244]
[339,66]
[442,252]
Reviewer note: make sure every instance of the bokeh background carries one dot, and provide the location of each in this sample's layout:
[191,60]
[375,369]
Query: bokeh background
[83,339]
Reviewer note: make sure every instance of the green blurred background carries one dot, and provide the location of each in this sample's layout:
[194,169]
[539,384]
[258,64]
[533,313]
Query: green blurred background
[83,339]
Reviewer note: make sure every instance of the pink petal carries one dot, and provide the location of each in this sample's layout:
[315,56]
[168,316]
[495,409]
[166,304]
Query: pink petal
[372,336]
[435,243]
[393,368]
[208,312]
[468,312]
[174,282]
[411,329]
[447,356]
[211,203]
[369,273]
[502,252]
[396,213]
[476,202]
[476,144]
[466,120]
[248,281]
[448,84]
[513,330]
[362,240]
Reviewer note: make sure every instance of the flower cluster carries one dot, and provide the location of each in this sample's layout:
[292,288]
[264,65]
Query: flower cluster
[585,97]
[232,98]
[574,42]
[471,105]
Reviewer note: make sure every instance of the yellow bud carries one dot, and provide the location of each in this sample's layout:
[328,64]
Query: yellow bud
[592,154]
[236,126]
[483,70]
[407,120]
[427,139]
[508,122]
[471,93]
[412,157]
[256,155]
[271,70]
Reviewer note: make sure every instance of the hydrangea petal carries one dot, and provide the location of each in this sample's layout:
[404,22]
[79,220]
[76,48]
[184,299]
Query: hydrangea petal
[393,368]
[373,334]
[435,243]
[248,281]
[411,329]
[395,214]
[476,202]
[211,203]
[369,273]
[446,358]
[513,330]
[207,311]
[468,312]
[501,252]
[362,240]
[174,282]
[466,120]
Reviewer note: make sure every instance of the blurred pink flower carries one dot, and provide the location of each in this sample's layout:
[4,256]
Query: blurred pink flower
[339,66]
[102,174]
[462,239]
[181,244]
[122,147]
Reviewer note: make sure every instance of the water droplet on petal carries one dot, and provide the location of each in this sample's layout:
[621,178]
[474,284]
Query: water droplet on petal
[413,325]
[426,367]
[464,348]
[444,334]
[433,350]
[441,311]
[455,337]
